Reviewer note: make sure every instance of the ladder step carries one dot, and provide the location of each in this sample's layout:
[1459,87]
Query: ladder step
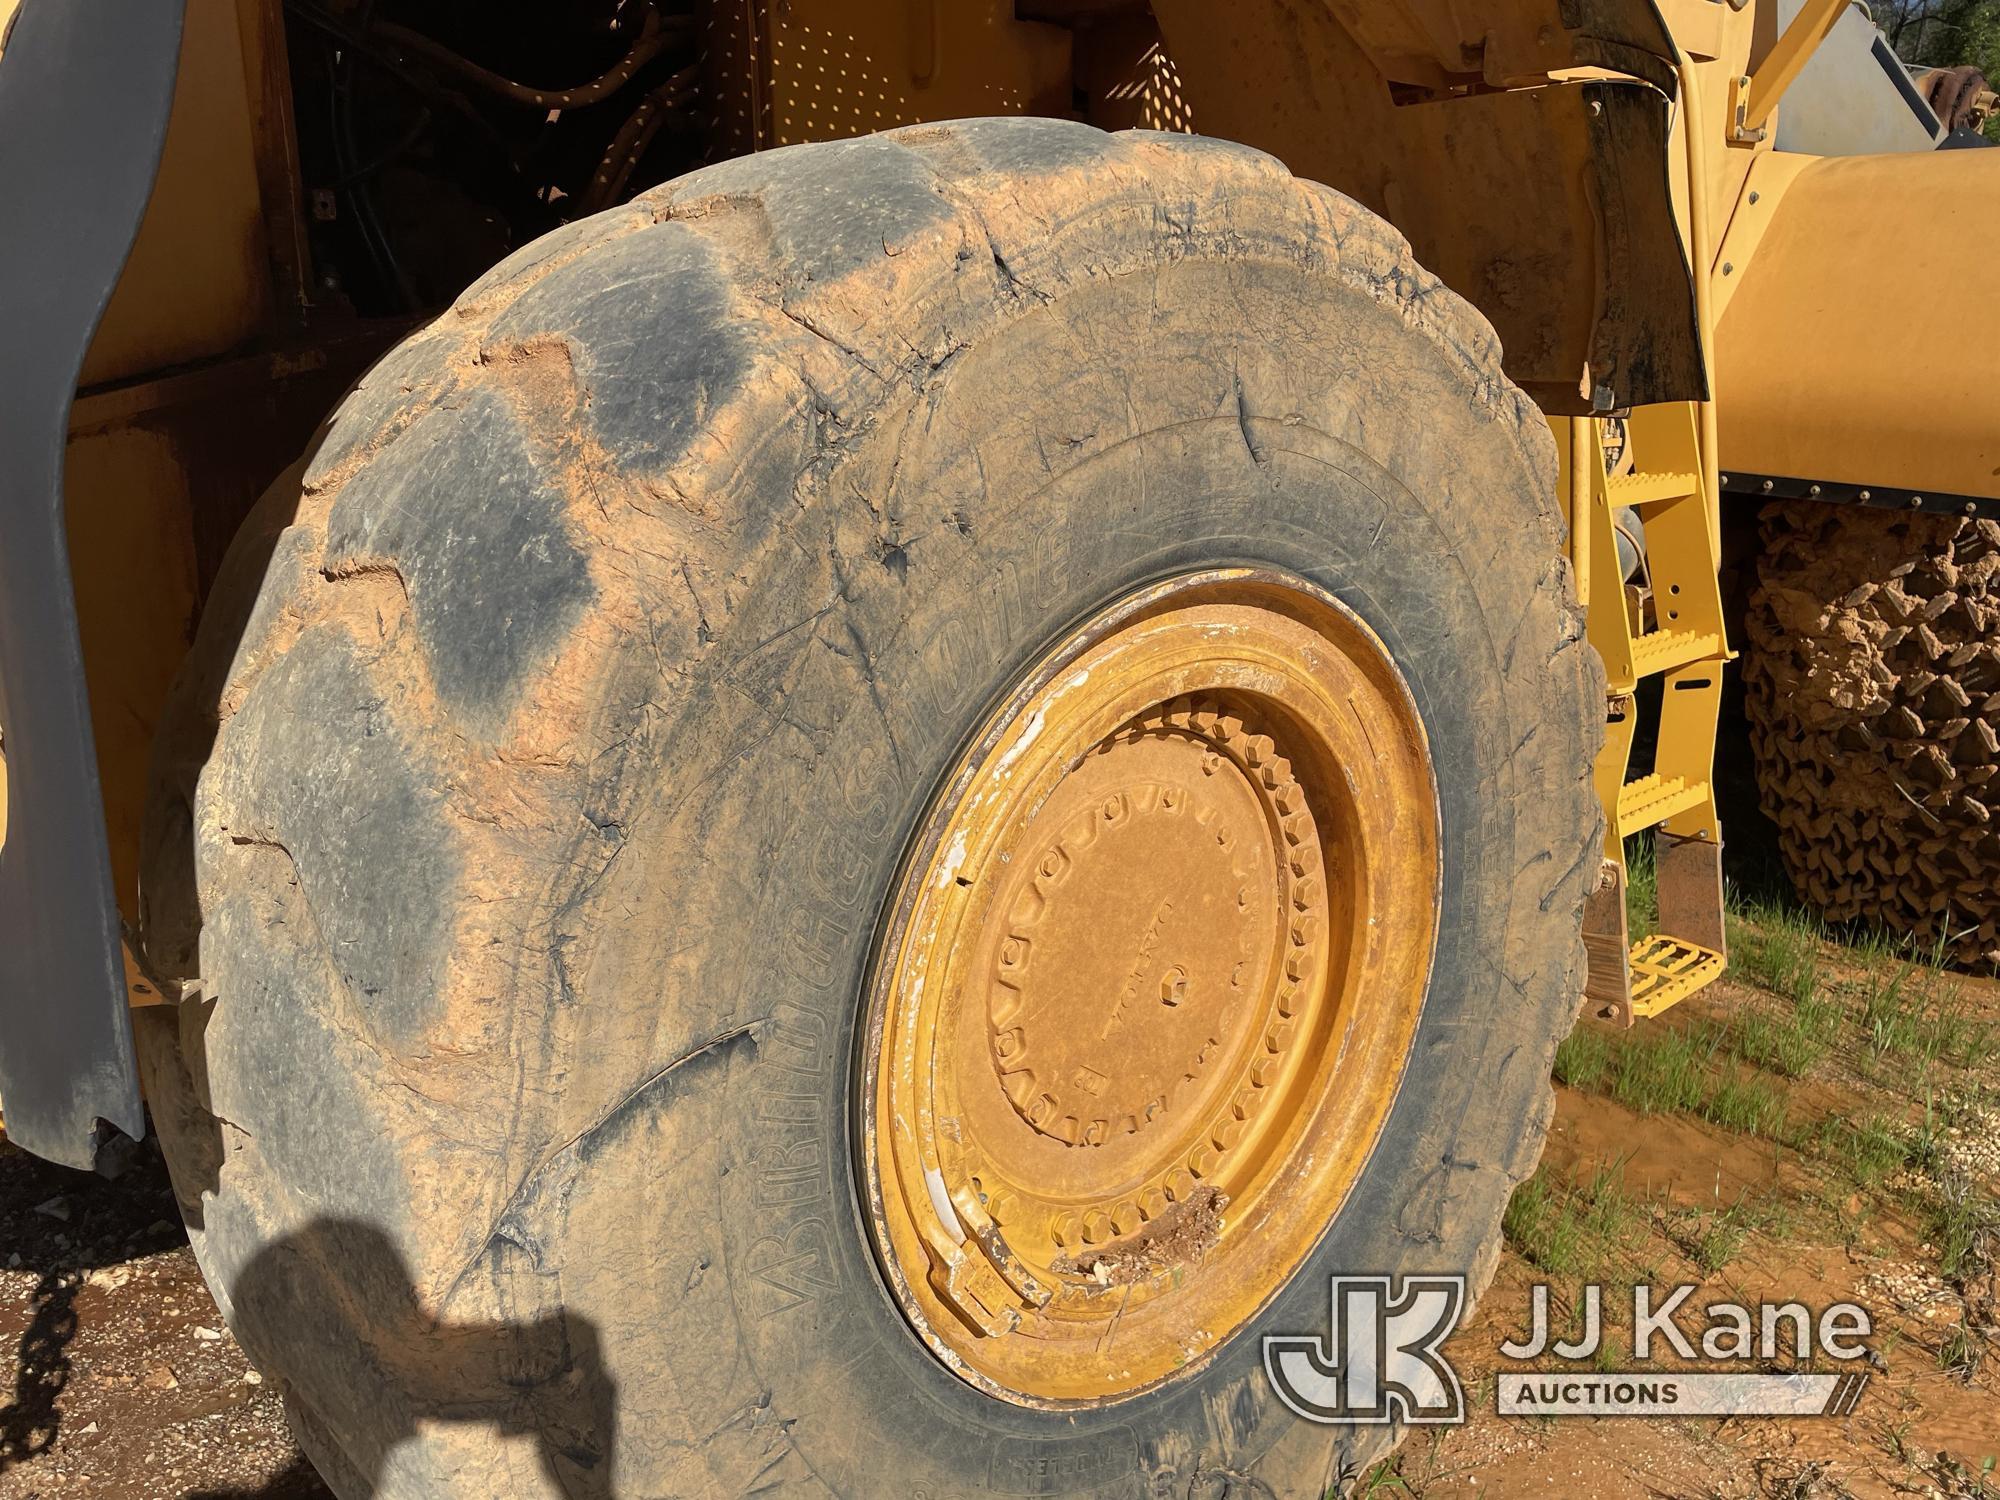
[1651,800]
[1650,489]
[1665,971]
[1663,650]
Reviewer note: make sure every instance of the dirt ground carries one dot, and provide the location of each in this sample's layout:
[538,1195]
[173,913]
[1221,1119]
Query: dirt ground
[125,1385]
[1815,1175]
[1832,1201]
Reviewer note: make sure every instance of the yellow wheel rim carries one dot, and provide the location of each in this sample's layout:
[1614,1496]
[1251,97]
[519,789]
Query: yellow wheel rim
[1151,977]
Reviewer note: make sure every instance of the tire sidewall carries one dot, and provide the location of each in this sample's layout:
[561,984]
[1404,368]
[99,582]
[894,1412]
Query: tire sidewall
[811,1306]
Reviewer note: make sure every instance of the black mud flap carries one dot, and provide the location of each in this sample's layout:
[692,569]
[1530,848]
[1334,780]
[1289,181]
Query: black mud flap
[85,89]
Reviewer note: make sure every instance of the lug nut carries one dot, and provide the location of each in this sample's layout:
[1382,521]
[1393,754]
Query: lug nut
[1125,1218]
[1096,1227]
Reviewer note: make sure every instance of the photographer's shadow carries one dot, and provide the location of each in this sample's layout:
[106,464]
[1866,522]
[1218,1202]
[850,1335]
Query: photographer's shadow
[373,1366]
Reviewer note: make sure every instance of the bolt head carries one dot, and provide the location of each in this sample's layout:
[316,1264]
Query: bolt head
[1096,1227]
[1126,1218]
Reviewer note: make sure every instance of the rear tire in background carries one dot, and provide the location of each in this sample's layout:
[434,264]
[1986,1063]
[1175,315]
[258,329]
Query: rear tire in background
[529,821]
[1872,684]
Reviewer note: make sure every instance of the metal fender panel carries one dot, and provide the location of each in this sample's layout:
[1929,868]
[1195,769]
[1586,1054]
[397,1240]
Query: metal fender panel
[85,88]
[1547,208]
[1860,292]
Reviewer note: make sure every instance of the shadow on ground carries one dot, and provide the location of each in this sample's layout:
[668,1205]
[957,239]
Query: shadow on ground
[57,1225]
[379,1365]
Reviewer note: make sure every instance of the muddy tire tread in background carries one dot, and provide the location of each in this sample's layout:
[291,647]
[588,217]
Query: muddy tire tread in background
[555,729]
[1872,684]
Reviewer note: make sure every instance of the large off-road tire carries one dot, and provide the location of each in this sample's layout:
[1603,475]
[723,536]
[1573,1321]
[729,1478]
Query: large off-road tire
[1872,683]
[550,749]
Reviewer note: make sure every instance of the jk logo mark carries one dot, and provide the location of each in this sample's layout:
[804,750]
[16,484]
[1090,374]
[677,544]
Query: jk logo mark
[1384,1362]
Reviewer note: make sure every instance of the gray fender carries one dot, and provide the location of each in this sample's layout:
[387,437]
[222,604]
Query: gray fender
[85,88]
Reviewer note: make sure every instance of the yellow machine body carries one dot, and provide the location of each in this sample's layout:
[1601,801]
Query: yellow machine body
[1854,269]
[1598,178]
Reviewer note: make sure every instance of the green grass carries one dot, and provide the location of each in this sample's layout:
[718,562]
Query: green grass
[1961,1352]
[1642,887]
[1665,1069]
[1911,1007]
[1747,1104]
[1927,1145]
[1686,1071]
[1956,1479]
[1571,1229]
[1869,1151]
[1712,1240]
[1777,948]
[1916,1012]
[1792,1041]
[1965,1227]
[1583,1058]
[1384,1478]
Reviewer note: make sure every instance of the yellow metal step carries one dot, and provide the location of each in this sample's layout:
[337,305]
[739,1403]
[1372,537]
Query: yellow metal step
[1663,650]
[1665,971]
[1651,800]
[1649,489]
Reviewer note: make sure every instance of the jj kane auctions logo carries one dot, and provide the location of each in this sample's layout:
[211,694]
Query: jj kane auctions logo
[1384,1359]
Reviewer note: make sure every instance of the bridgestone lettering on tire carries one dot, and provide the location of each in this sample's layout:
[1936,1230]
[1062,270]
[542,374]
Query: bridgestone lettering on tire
[556,734]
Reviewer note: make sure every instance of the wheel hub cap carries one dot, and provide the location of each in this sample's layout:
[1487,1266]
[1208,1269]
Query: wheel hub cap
[1151,978]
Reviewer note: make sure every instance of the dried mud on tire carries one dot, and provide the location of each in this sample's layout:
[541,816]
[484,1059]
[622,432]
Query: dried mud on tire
[1873,690]
[554,738]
